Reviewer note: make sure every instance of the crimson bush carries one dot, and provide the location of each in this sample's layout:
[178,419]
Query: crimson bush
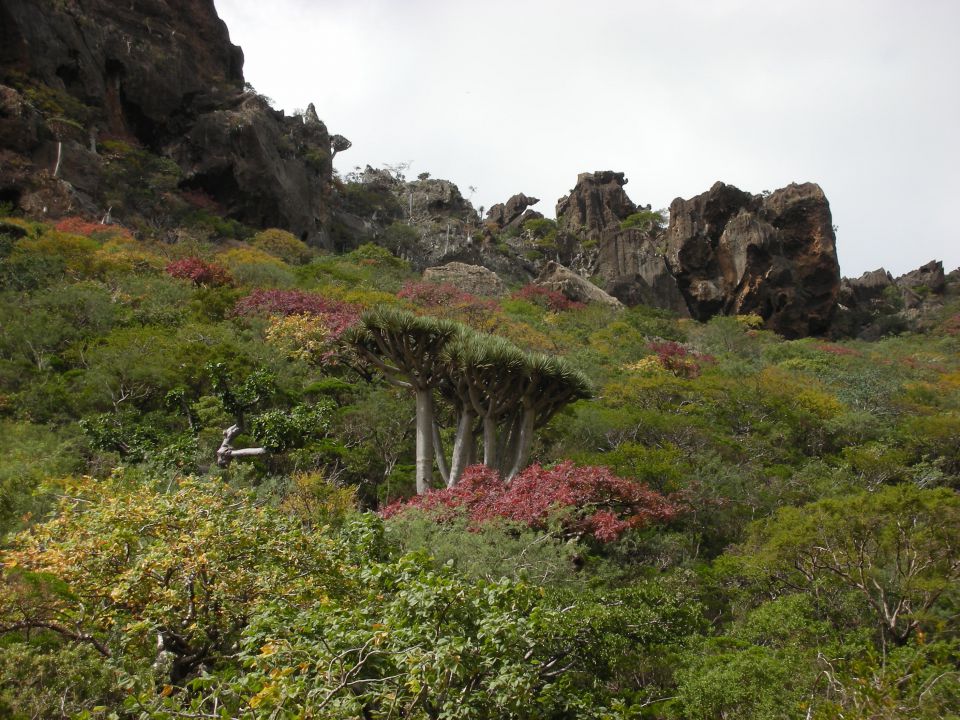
[588,501]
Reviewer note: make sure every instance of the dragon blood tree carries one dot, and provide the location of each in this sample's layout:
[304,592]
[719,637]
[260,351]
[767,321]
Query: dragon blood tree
[513,393]
[407,350]
[497,391]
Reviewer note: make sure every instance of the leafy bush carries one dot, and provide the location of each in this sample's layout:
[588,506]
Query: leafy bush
[553,300]
[337,316]
[678,359]
[199,272]
[584,500]
[283,245]
[447,301]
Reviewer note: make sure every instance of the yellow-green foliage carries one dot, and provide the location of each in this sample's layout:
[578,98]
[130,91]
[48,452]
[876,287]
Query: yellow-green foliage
[301,337]
[801,393]
[316,501]
[78,253]
[123,255]
[254,267]
[283,245]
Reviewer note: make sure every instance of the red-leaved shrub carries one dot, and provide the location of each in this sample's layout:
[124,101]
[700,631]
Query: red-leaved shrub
[552,300]
[837,349]
[76,225]
[337,315]
[199,272]
[679,360]
[447,300]
[584,500]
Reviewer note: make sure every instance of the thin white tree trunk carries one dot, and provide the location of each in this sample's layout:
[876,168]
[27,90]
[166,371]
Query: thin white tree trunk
[462,448]
[440,455]
[56,169]
[490,442]
[524,443]
[424,440]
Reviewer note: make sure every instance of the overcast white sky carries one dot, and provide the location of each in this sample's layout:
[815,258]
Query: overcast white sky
[508,96]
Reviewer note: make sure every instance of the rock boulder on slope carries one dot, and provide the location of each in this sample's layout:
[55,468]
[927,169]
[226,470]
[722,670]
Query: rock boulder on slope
[474,279]
[555,276]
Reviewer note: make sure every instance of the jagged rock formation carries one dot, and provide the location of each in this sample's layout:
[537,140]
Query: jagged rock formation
[158,75]
[596,204]
[513,213]
[263,168]
[593,241]
[774,256]
[425,221]
[876,304]
[555,276]
[473,279]
[725,251]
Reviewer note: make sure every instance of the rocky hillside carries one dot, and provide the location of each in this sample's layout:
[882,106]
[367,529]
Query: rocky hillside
[139,115]
[94,95]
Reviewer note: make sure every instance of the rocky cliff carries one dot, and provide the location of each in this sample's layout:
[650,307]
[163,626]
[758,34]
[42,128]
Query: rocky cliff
[877,304]
[725,251]
[774,256]
[84,83]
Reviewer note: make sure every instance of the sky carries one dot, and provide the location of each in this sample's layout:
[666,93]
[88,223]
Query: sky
[508,96]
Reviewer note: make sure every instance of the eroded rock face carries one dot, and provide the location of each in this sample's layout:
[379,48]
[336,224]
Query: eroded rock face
[596,204]
[736,253]
[145,63]
[725,251]
[161,74]
[875,304]
[513,213]
[251,159]
[432,198]
[473,279]
[555,276]
[929,277]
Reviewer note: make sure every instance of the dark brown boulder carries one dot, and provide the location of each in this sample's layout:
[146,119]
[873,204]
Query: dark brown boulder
[512,213]
[775,256]
[597,203]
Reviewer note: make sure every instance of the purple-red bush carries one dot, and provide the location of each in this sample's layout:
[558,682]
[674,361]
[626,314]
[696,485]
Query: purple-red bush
[200,272]
[447,301]
[552,300]
[430,294]
[337,315]
[679,360]
[585,500]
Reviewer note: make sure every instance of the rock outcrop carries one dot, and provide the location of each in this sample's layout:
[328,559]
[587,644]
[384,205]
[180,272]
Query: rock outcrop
[596,204]
[725,251]
[473,279]
[774,256]
[158,76]
[555,276]
[427,222]
[513,213]
[876,304]
[592,240]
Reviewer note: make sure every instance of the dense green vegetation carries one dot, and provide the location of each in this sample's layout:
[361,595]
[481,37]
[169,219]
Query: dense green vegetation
[733,526]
